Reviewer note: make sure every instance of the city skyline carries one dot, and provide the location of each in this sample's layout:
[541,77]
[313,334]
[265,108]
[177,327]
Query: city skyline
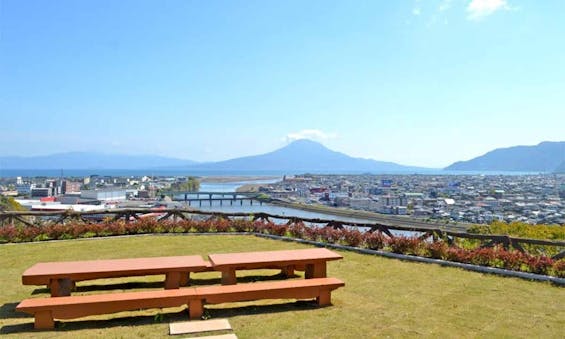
[416,83]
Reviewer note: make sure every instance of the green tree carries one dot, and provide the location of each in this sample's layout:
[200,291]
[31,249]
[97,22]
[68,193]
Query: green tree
[192,184]
[9,204]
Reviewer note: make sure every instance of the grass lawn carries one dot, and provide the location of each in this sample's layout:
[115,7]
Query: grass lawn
[382,297]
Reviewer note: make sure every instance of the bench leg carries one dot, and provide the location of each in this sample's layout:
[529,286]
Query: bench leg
[172,280]
[315,270]
[195,309]
[44,320]
[184,279]
[325,298]
[228,277]
[287,271]
[61,287]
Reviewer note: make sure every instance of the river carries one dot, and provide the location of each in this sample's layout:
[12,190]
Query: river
[247,207]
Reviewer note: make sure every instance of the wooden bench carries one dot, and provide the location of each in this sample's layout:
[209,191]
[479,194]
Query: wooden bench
[45,310]
[312,261]
[60,277]
[318,288]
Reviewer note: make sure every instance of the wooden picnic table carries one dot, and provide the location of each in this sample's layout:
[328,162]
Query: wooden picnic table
[60,277]
[312,261]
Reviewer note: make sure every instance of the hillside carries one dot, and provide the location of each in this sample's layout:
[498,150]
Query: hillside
[544,157]
[90,160]
[303,156]
[560,169]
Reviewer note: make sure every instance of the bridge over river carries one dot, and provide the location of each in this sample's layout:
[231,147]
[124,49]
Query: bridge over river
[190,197]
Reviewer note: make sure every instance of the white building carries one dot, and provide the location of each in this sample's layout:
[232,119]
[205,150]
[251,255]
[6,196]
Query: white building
[363,204]
[389,204]
[104,195]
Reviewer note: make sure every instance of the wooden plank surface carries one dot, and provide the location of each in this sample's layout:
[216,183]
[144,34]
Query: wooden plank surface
[270,257]
[40,273]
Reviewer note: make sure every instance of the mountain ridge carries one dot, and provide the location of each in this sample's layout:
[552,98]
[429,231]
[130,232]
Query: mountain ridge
[302,156]
[299,156]
[547,156]
[306,155]
[90,160]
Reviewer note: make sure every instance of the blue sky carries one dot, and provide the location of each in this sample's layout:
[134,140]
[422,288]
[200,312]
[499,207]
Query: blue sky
[415,82]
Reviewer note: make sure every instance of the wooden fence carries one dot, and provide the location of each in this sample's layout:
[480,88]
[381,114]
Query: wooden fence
[38,218]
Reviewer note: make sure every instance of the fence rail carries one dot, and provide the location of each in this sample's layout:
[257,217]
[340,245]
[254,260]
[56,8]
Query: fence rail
[131,215]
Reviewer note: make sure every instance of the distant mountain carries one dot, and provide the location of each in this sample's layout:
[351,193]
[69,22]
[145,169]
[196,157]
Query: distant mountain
[88,160]
[544,157]
[306,156]
[560,169]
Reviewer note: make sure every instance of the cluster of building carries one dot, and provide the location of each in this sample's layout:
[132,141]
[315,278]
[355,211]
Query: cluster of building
[85,194]
[534,199]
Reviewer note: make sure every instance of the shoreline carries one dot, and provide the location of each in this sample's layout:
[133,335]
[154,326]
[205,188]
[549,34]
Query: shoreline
[224,179]
[249,188]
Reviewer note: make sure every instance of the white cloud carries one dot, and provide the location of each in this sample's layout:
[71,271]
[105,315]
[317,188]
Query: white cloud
[478,9]
[313,134]
[416,8]
[444,5]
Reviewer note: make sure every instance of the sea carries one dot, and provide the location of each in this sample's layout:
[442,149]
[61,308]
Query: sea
[55,173]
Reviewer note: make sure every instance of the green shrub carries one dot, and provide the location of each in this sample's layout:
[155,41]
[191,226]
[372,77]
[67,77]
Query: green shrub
[521,230]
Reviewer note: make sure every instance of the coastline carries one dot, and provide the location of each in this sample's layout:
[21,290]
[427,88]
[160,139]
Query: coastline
[223,179]
[249,188]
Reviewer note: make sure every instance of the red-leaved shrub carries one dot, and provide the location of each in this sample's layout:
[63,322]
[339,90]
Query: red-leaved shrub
[404,245]
[297,230]
[8,233]
[559,268]
[329,234]
[437,249]
[351,237]
[221,225]
[241,225]
[488,256]
[374,240]
[457,254]
[482,256]
[539,264]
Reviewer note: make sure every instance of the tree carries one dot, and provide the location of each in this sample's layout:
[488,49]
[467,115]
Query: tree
[9,204]
[192,184]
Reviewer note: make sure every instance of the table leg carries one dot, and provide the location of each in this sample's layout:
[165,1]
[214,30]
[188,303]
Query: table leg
[172,280]
[61,287]
[228,277]
[195,309]
[287,271]
[317,270]
[184,278]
